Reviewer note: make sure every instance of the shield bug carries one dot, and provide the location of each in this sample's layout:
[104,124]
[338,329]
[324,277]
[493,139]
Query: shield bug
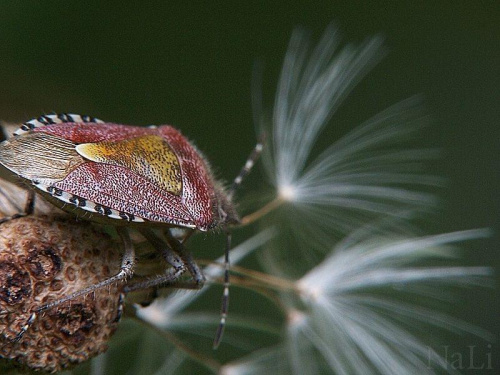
[126,176]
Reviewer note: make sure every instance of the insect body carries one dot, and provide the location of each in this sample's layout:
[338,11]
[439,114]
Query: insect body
[124,176]
[119,172]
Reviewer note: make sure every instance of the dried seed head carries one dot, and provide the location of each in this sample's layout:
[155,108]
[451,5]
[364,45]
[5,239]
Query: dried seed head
[45,258]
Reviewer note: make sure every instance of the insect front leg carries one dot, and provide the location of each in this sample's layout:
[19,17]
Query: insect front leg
[186,256]
[175,250]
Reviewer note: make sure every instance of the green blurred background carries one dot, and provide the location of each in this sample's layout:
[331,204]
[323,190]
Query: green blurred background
[190,64]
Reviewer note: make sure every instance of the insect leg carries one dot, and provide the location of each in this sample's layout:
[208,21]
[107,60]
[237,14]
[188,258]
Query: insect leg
[168,280]
[126,271]
[198,278]
[119,312]
[178,257]
[185,255]
[166,251]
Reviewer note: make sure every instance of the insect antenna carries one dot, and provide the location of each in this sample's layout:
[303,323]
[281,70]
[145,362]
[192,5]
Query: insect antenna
[248,165]
[225,295]
[236,183]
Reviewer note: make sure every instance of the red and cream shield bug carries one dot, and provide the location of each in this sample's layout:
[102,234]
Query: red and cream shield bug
[126,176]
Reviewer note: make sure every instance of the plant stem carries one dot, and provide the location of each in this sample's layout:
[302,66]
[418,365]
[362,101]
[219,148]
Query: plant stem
[264,210]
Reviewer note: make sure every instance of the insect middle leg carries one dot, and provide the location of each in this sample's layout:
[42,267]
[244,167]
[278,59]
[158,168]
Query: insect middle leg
[174,249]
[175,254]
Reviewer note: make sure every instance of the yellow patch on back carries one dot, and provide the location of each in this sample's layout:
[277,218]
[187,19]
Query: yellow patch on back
[149,156]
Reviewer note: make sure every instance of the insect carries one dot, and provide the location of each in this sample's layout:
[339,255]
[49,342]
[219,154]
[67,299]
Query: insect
[126,176]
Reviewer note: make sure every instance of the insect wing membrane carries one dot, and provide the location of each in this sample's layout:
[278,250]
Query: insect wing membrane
[39,157]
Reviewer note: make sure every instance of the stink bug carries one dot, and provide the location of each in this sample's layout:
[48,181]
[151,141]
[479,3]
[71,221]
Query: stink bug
[126,176]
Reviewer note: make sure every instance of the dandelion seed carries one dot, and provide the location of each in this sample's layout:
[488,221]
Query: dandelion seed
[265,361]
[287,193]
[361,322]
[366,308]
[374,170]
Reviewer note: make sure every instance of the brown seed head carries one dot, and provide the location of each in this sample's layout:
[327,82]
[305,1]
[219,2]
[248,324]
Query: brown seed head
[45,258]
